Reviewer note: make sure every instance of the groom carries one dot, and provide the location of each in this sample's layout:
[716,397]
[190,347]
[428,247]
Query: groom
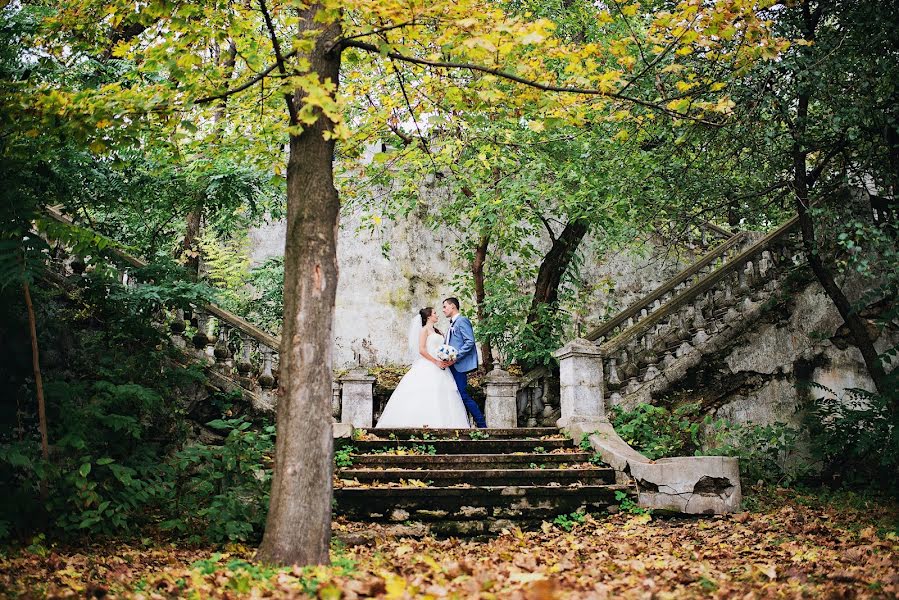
[461,337]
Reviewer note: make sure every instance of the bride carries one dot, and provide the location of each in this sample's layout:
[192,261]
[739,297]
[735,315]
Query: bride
[427,395]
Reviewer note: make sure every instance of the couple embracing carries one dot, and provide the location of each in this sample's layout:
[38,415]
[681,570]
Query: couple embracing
[434,393]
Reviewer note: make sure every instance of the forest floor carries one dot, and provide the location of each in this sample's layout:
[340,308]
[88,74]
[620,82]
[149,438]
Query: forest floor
[791,545]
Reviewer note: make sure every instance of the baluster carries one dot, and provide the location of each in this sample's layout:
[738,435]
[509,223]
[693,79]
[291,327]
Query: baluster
[629,363]
[613,382]
[732,313]
[200,338]
[549,411]
[244,363]
[532,413]
[764,264]
[699,323]
[266,378]
[221,351]
[742,283]
[212,327]
[335,400]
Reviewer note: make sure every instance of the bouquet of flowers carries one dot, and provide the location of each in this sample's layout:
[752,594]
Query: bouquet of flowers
[447,352]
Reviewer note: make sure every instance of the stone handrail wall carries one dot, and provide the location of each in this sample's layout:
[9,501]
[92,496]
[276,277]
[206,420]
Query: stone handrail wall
[640,352]
[713,259]
[637,343]
[239,355]
[678,291]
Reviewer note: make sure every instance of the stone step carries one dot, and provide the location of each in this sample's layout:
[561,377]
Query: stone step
[475,503]
[481,477]
[426,434]
[463,446]
[469,461]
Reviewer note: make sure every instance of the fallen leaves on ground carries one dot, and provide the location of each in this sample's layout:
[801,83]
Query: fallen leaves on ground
[792,549]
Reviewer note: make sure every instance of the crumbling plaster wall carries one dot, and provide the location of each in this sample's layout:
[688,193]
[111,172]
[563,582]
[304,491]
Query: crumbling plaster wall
[761,377]
[379,292]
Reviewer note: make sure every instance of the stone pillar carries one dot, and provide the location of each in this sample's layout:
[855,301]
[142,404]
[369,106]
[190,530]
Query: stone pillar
[580,383]
[501,408]
[357,398]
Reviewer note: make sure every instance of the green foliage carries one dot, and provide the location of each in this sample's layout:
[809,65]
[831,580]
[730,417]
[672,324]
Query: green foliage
[657,431]
[243,577]
[426,449]
[855,439]
[263,299]
[343,457]
[569,521]
[477,434]
[627,505]
[767,453]
[220,490]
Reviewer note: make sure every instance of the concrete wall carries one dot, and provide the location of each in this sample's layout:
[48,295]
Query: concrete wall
[377,294]
[800,340]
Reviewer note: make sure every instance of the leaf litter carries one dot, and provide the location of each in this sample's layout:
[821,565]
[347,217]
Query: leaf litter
[787,549]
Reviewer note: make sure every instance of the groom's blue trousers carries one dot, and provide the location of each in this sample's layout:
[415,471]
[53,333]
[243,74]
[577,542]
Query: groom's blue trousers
[470,405]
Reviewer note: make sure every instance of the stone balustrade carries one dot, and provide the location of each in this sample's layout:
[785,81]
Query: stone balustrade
[725,287]
[238,355]
[639,343]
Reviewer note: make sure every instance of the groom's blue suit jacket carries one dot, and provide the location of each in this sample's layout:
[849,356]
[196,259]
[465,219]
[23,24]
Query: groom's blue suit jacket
[461,337]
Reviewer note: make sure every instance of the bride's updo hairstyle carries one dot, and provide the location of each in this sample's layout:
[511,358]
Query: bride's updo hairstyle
[425,314]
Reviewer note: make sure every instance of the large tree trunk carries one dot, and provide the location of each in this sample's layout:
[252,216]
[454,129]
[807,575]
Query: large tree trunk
[477,271]
[298,529]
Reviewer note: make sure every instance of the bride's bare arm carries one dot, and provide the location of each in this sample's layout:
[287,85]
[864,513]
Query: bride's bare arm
[423,346]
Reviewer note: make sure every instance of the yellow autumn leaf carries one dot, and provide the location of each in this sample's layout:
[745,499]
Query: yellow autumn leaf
[536,126]
[395,586]
[631,9]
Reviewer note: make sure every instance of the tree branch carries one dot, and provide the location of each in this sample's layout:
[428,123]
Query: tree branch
[341,41]
[279,59]
[246,85]
[517,79]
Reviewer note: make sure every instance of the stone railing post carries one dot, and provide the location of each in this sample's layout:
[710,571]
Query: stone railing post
[501,407]
[357,398]
[580,383]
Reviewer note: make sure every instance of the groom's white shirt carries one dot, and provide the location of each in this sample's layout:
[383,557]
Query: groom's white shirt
[449,330]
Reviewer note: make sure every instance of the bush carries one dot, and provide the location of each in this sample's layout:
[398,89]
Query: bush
[117,428]
[658,432]
[767,453]
[855,439]
[222,491]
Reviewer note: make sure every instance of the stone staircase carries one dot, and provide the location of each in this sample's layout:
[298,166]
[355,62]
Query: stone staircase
[470,482]
[655,342]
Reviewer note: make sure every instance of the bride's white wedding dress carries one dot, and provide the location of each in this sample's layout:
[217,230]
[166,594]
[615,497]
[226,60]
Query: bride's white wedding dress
[426,396]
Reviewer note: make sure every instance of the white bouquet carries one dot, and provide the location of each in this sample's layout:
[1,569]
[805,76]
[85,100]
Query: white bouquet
[447,352]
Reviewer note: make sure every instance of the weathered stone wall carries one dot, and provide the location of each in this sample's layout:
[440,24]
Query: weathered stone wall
[377,295]
[762,374]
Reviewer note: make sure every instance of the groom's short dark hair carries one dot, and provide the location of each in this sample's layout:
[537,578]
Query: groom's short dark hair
[454,302]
